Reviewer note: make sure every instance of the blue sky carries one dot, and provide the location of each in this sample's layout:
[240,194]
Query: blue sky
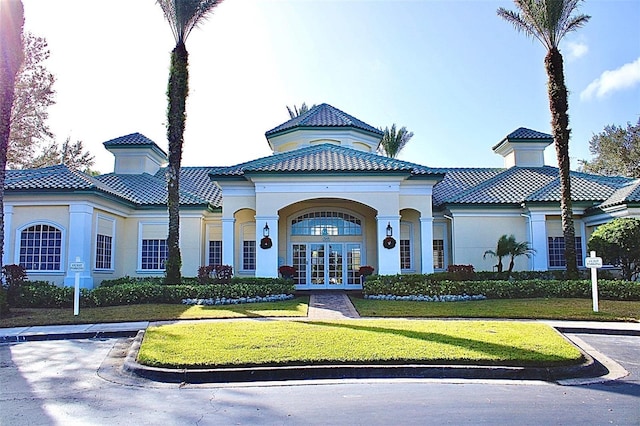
[452,72]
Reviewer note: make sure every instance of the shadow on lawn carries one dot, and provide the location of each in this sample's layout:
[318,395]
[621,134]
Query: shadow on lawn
[515,356]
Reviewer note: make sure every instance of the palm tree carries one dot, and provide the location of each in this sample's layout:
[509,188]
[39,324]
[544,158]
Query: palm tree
[295,112]
[183,16]
[393,142]
[11,56]
[549,21]
[518,249]
[502,250]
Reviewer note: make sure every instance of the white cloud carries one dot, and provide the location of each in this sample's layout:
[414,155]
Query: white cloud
[625,77]
[576,49]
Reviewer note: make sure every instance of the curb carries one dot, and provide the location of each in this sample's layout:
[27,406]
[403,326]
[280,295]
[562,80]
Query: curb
[588,369]
[67,336]
[608,331]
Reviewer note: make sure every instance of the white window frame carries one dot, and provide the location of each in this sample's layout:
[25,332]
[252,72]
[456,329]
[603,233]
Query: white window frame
[63,247]
[111,267]
[141,226]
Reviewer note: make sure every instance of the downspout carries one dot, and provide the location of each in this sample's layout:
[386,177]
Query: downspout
[453,244]
[532,260]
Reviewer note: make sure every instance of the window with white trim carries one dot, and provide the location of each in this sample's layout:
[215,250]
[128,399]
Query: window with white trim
[248,247]
[215,252]
[41,248]
[154,254]
[406,260]
[326,223]
[249,255]
[104,245]
[153,250]
[105,228]
[556,248]
[438,254]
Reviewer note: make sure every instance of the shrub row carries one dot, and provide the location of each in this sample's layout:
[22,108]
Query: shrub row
[405,285]
[45,295]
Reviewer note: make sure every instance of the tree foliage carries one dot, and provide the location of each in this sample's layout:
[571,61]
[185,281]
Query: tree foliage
[296,112]
[11,57]
[549,21]
[616,150]
[394,141]
[70,154]
[183,16]
[508,246]
[618,243]
[33,95]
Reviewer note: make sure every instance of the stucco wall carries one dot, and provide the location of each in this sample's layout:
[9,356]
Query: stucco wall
[474,235]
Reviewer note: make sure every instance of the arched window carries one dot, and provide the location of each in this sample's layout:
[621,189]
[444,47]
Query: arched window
[41,248]
[326,223]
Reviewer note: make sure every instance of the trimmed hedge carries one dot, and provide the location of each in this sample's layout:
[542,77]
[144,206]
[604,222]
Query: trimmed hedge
[45,295]
[406,285]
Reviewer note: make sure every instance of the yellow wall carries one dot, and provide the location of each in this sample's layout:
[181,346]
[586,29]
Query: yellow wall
[475,235]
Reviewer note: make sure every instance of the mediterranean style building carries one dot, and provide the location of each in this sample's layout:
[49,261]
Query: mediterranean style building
[324,202]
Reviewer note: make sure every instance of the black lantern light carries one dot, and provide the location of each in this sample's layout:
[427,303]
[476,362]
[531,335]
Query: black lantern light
[389,230]
[265,230]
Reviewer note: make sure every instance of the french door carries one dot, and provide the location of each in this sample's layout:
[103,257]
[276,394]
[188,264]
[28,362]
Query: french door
[326,265]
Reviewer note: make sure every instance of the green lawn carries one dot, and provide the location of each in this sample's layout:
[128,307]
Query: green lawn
[563,309]
[253,343]
[155,312]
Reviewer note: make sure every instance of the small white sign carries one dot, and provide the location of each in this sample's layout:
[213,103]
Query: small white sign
[76,266]
[593,262]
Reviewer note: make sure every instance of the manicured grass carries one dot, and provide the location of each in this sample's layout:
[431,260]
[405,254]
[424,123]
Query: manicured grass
[154,312]
[254,343]
[563,309]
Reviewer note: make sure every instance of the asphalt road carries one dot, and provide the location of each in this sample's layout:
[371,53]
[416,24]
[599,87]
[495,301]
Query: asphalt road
[75,382]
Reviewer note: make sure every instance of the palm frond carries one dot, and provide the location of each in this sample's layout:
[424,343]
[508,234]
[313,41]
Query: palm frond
[185,15]
[546,20]
[394,141]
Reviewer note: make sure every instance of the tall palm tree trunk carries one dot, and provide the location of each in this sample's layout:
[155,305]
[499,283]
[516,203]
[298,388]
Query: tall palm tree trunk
[177,92]
[11,57]
[559,106]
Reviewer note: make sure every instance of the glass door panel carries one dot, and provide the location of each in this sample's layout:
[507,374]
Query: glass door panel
[354,262]
[300,263]
[335,265]
[318,273]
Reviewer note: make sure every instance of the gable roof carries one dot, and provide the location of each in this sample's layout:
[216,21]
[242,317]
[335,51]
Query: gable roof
[134,140]
[325,116]
[139,190]
[629,193]
[324,158]
[518,185]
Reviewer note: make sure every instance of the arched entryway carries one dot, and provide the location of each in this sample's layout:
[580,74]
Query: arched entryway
[327,244]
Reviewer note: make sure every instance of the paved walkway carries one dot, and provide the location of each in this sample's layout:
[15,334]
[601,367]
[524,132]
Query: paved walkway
[331,305]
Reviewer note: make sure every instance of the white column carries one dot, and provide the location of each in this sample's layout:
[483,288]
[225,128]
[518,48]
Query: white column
[228,241]
[7,259]
[80,243]
[388,259]
[267,258]
[426,249]
[538,240]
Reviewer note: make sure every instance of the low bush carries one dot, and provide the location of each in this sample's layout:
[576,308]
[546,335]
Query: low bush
[4,306]
[46,295]
[405,285]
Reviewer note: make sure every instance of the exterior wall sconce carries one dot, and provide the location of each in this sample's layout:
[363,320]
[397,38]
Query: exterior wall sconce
[389,242]
[265,242]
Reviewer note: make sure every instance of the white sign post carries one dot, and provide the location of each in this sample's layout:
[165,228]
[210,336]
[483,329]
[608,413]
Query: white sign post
[77,267]
[594,263]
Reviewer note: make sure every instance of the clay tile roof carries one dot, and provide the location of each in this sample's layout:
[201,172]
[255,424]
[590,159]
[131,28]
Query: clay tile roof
[324,158]
[323,115]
